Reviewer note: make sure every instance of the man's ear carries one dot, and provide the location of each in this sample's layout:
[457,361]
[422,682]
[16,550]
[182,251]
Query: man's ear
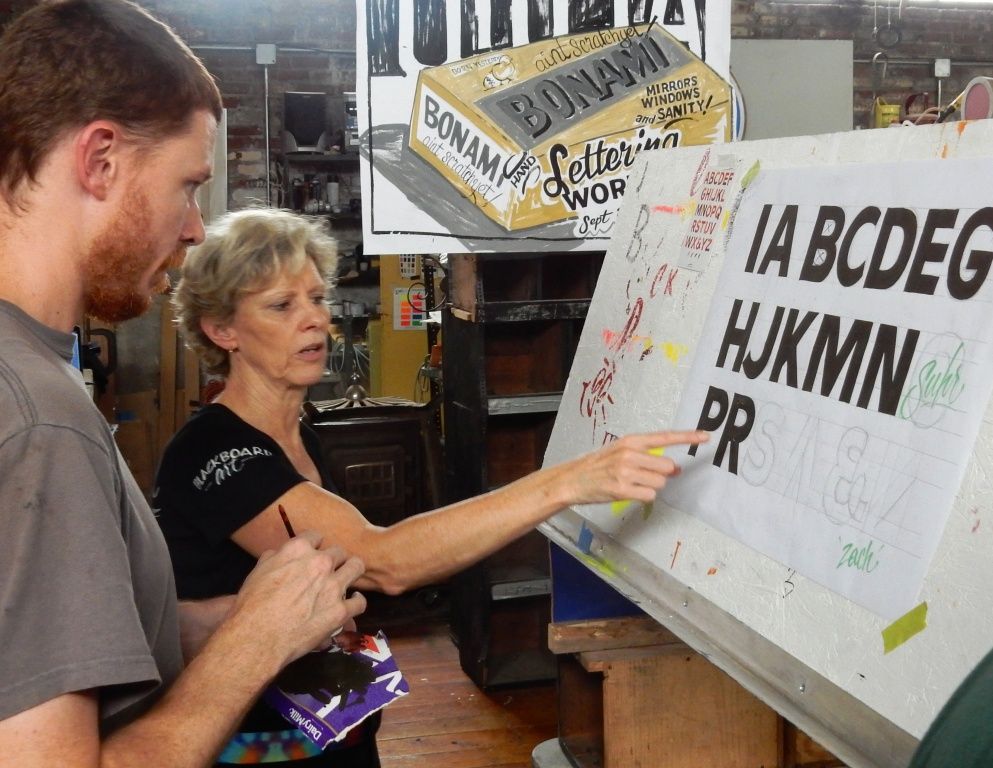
[222,334]
[99,154]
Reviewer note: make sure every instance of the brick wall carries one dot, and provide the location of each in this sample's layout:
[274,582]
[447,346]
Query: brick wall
[960,33]
[315,40]
[225,33]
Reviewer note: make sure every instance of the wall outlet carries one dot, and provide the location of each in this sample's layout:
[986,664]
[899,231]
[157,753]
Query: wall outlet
[942,67]
[265,53]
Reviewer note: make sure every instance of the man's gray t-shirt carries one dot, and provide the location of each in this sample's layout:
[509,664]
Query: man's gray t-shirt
[87,598]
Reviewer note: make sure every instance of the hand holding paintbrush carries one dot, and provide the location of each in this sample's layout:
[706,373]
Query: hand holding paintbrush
[292,534]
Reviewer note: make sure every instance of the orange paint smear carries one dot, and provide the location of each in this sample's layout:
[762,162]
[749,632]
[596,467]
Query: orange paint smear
[610,339]
[711,571]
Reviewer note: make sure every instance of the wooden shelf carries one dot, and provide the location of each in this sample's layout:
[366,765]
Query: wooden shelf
[516,590]
[297,164]
[339,161]
[524,311]
[510,337]
[518,580]
[517,404]
[342,216]
[528,665]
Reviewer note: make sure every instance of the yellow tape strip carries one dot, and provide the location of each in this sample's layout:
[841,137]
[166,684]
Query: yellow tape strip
[904,628]
[604,566]
[617,507]
[750,175]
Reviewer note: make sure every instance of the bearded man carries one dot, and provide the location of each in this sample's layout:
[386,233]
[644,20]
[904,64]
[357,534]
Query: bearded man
[108,131]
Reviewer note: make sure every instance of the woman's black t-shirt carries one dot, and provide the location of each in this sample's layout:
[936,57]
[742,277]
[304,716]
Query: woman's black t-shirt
[217,474]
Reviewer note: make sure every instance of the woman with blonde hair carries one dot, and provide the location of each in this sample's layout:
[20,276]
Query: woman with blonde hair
[252,302]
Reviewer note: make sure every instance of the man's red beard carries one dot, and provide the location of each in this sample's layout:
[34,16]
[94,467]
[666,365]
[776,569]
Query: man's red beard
[116,262]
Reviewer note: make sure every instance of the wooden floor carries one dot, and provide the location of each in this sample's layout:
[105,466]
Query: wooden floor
[447,722]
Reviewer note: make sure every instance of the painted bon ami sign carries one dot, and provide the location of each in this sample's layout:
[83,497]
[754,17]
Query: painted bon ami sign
[532,136]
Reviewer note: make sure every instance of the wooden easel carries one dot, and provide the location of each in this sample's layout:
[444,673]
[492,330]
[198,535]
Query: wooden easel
[632,695]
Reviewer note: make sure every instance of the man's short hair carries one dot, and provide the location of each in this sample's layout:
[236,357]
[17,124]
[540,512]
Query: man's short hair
[66,63]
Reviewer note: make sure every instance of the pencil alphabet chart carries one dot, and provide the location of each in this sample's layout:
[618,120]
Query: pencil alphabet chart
[843,369]
[823,306]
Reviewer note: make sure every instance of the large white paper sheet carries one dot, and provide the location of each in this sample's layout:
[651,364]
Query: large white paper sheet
[512,126]
[845,411]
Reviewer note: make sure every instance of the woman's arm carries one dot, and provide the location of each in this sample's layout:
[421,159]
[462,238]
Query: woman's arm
[428,547]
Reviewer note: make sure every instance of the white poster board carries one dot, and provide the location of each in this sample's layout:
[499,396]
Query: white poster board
[829,546]
[513,126]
